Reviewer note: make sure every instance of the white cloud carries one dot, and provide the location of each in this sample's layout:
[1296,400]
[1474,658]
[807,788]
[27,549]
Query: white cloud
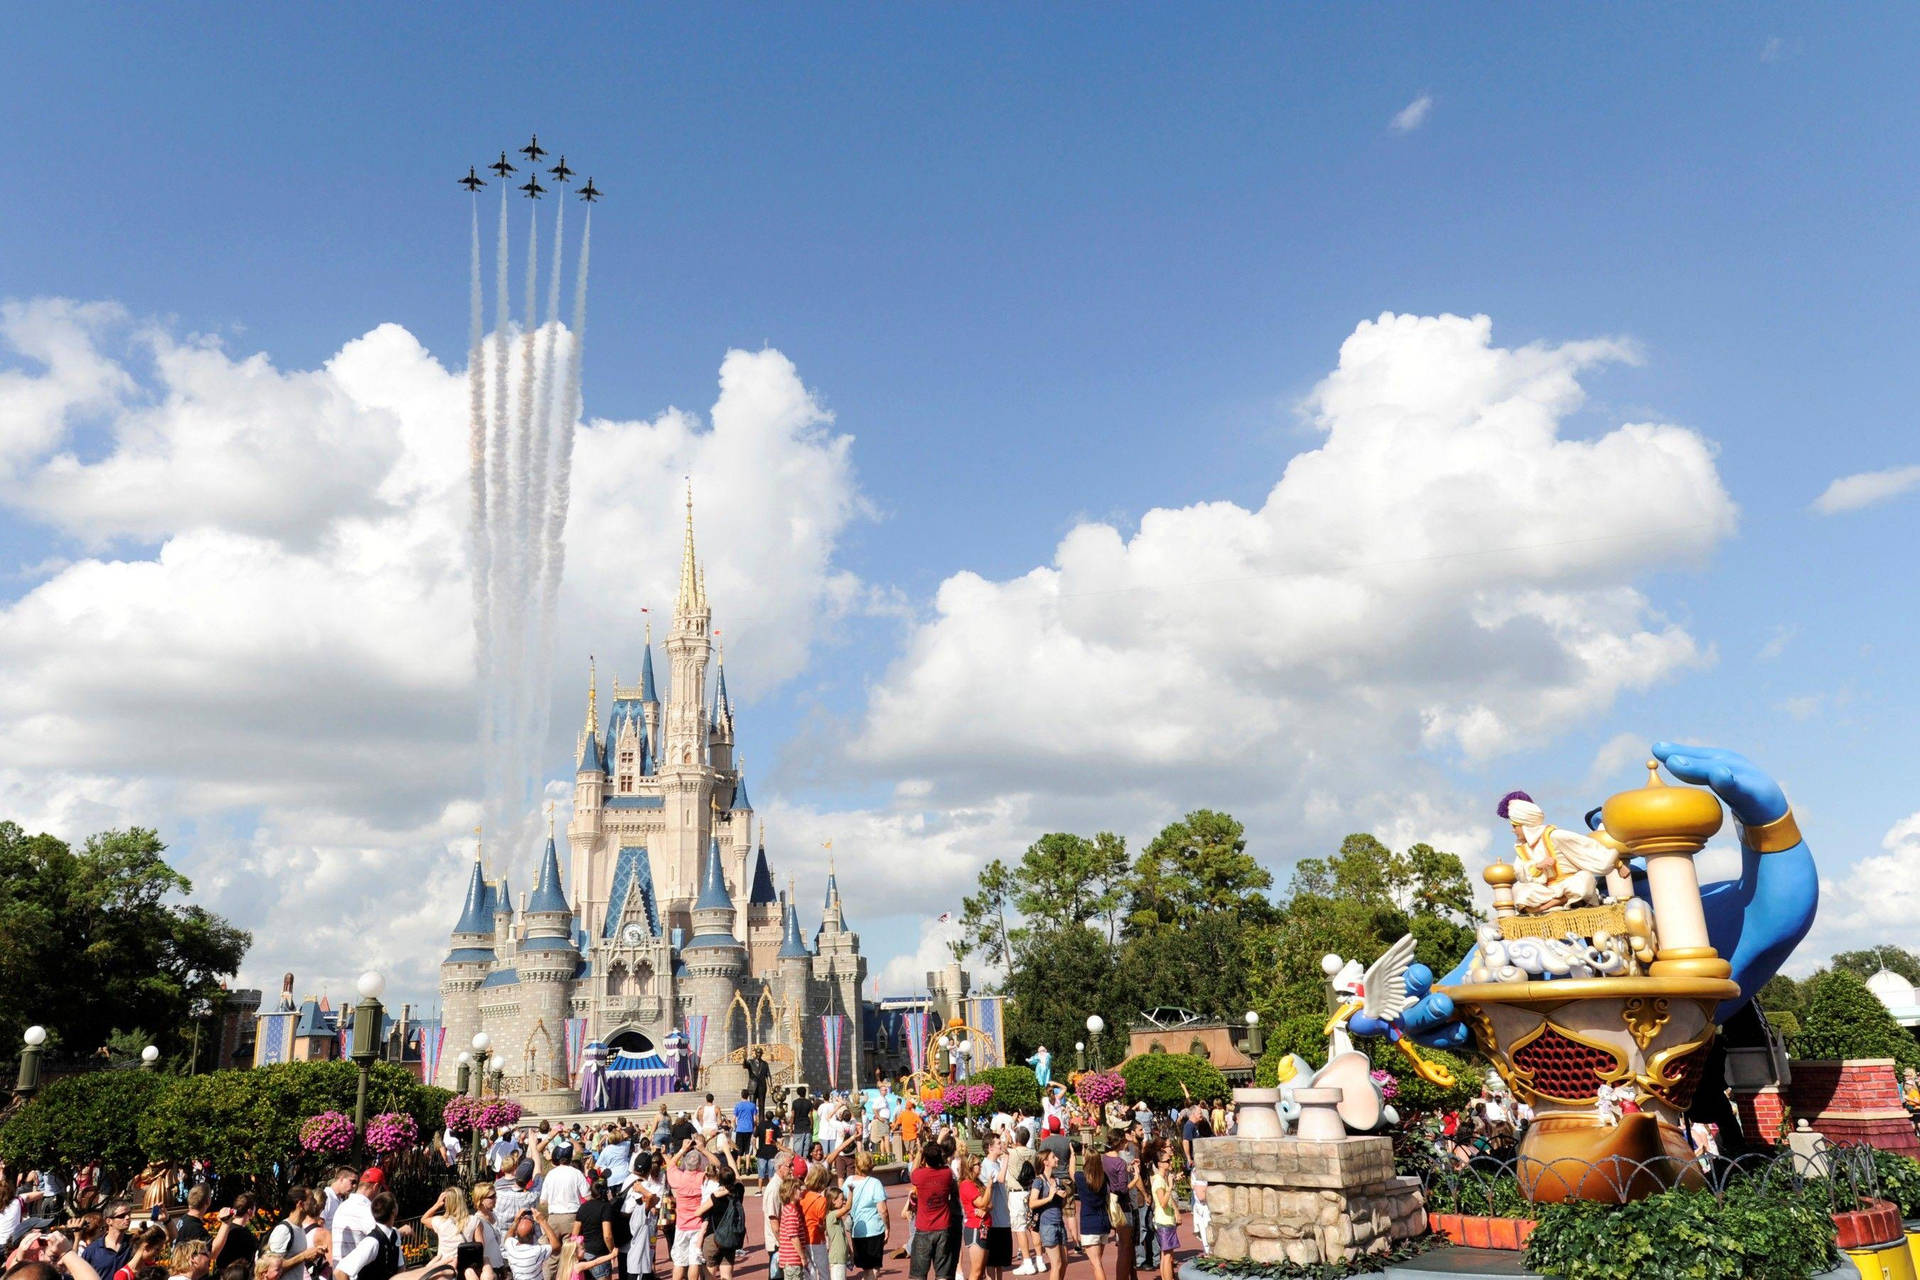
[1617,757]
[1446,576]
[1878,898]
[1776,644]
[1413,115]
[907,972]
[1773,49]
[1865,489]
[283,683]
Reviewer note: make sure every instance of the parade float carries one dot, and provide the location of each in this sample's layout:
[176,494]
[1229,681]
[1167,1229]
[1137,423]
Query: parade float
[1596,986]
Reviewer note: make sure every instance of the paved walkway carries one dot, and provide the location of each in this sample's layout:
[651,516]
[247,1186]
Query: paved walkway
[753,1260]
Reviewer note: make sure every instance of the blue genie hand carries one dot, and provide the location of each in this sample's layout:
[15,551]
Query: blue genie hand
[1754,921]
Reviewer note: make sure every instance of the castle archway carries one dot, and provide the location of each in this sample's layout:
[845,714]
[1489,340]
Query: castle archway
[628,1040]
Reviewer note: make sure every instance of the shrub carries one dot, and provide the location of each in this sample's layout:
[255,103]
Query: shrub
[1899,1178]
[1158,1079]
[85,1117]
[1845,1020]
[1757,1231]
[1014,1088]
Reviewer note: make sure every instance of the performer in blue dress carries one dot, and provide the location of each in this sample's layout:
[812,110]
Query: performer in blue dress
[1042,1064]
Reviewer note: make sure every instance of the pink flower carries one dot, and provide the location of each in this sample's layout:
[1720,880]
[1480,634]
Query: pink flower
[329,1133]
[392,1132]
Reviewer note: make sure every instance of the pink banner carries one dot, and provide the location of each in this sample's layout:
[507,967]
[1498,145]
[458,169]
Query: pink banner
[432,1040]
[916,1031]
[576,1046]
[831,1027]
[696,1044]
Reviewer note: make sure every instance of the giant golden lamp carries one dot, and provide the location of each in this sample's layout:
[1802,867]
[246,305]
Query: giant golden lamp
[1658,818]
[1667,826]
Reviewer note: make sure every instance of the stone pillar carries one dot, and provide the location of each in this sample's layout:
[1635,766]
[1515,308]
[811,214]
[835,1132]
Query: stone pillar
[1290,1200]
[1853,1101]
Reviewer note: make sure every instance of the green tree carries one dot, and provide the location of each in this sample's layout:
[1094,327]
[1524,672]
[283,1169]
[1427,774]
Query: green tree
[1870,961]
[983,917]
[1195,867]
[1782,995]
[1057,978]
[1065,879]
[97,942]
[1213,966]
[1845,1020]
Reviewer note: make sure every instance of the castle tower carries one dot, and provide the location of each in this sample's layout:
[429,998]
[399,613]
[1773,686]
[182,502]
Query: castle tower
[841,971]
[649,695]
[715,962]
[720,721]
[685,781]
[794,991]
[589,791]
[546,961]
[464,969]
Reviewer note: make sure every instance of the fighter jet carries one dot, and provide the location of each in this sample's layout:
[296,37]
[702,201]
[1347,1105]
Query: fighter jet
[473,181]
[589,193]
[501,166]
[533,188]
[533,150]
[561,171]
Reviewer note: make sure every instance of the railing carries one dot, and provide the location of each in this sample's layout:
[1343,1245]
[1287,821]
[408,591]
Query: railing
[1490,1185]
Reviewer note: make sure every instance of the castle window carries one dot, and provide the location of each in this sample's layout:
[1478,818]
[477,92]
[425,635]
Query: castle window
[626,757]
[626,782]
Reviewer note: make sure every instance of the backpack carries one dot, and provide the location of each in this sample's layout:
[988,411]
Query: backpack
[386,1261]
[730,1223]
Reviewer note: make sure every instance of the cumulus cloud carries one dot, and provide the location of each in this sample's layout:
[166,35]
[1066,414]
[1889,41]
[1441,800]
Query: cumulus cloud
[1447,577]
[1866,489]
[1877,898]
[1413,115]
[271,656]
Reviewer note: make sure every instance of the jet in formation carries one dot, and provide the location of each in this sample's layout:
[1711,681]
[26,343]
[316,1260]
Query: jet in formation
[501,166]
[589,193]
[561,172]
[533,188]
[473,181]
[533,150]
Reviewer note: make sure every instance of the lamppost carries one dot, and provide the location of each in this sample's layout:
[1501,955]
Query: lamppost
[150,1058]
[1256,1043]
[29,1080]
[963,1053]
[1079,1055]
[366,1039]
[462,1082]
[1095,1025]
[481,1043]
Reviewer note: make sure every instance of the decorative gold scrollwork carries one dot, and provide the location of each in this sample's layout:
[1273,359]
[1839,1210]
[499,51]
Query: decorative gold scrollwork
[1644,1016]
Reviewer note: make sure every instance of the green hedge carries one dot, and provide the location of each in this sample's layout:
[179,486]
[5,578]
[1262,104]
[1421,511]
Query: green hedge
[1758,1231]
[1014,1088]
[1156,1079]
[1845,1020]
[246,1121]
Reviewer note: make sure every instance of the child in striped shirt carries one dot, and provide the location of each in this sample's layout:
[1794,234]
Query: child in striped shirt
[793,1232]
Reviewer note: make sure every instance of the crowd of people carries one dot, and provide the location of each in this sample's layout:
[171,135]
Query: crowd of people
[635,1198]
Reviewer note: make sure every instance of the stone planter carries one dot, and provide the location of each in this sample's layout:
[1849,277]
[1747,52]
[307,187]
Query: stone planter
[1259,1113]
[1477,1231]
[1319,1115]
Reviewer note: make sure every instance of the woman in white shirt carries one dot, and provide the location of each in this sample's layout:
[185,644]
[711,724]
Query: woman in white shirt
[483,1231]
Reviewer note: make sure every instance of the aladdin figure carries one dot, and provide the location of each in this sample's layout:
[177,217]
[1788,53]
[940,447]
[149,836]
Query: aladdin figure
[1555,868]
[1042,1064]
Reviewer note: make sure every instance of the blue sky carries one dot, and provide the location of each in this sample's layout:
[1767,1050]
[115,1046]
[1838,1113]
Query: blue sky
[1047,269]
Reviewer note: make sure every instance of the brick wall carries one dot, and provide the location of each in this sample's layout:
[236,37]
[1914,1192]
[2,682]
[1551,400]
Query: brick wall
[1853,1101]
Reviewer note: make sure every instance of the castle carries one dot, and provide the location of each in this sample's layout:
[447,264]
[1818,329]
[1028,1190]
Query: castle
[674,915]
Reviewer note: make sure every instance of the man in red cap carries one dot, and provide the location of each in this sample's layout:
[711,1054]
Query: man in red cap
[354,1218]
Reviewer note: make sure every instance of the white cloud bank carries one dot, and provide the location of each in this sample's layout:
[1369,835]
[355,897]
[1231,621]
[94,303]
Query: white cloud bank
[269,651]
[1446,577]
[1866,489]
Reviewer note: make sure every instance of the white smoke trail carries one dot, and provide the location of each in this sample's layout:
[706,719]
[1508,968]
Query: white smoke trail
[539,706]
[479,554]
[521,759]
[499,549]
[556,562]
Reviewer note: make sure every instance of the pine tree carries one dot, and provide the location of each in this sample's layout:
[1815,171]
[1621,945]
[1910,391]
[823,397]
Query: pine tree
[1845,1020]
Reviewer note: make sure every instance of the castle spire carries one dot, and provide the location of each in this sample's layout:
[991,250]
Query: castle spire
[692,595]
[474,916]
[593,700]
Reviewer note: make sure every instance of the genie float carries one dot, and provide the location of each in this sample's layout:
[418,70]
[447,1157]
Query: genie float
[1599,982]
